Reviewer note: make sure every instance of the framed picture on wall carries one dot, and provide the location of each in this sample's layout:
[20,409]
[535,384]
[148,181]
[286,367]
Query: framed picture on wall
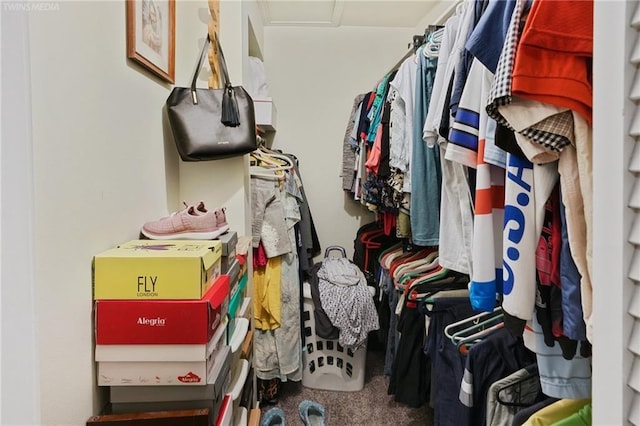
[151,36]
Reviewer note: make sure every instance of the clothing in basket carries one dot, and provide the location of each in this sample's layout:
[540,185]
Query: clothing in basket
[346,300]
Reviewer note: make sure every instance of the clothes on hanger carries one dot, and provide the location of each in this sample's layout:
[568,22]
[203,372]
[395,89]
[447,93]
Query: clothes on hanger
[490,169]
[495,357]
[282,229]
[446,361]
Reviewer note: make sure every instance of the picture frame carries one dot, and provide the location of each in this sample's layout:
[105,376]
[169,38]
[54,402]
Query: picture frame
[151,36]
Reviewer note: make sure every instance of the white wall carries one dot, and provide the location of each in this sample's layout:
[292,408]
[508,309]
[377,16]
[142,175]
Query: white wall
[101,170]
[314,74]
[438,14]
[20,378]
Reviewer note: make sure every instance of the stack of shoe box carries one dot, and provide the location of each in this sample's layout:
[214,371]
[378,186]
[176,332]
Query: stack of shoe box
[228,240]
[161,316]
[238,332]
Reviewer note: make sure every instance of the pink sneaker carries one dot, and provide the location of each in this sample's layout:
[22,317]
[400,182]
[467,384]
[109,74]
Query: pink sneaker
[191,224]
[199,209]
[221,220]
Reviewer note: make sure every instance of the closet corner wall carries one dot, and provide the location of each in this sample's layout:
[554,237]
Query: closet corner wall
[227,182]
[243,31]
[222,182]
[613,73]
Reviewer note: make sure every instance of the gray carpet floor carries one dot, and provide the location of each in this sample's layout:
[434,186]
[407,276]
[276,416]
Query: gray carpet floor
[371,406]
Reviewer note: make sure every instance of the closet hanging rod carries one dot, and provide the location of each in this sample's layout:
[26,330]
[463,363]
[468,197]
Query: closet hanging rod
[397,64]
[448,12]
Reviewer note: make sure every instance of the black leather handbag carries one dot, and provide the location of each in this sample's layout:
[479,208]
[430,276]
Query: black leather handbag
[211,124]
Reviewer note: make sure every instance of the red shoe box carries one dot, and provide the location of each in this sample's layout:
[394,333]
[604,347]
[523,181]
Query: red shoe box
[135,322]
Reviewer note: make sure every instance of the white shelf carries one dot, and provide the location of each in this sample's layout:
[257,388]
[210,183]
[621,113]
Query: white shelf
[238,380]
[265,112]
[241,418]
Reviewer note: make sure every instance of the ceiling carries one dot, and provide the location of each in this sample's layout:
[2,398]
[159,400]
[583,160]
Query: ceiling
[379,13]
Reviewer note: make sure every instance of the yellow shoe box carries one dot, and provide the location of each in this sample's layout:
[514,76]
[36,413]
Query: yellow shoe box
[154,269]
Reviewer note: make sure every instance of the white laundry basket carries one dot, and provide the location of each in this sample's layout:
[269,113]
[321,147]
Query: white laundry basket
[328,365]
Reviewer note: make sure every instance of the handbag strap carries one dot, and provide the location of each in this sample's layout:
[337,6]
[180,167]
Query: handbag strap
[223,65]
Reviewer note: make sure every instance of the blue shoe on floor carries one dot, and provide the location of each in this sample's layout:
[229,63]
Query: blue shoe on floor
[273,417]
[311,413]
